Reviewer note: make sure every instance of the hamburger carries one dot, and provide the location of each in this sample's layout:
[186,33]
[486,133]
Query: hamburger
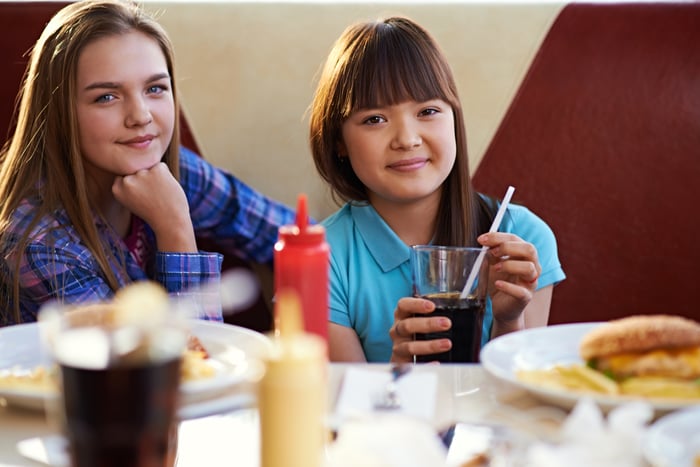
[650,355]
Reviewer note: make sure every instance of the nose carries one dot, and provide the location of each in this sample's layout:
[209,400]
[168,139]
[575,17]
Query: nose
[138,113]
[406,135]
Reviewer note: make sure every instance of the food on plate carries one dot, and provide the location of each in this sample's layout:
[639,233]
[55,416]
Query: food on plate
[195,366]
[195,361]
[36,379]
[195,345]
[570,377]
[480,460]
[656,356]
[141,303]
[653,345]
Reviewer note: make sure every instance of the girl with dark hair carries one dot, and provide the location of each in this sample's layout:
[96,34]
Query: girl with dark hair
[387,134]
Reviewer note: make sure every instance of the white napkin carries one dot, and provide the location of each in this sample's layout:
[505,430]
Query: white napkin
[361,388]
[49,450]
[588,438]
[386,440]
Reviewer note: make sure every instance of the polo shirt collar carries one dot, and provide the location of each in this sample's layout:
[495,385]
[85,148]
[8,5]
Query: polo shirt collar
[387,249]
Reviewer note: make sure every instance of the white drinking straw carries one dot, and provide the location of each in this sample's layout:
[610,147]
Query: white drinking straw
[494,227]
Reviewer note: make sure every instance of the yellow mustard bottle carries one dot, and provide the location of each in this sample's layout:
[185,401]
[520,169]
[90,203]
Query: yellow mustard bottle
[293,392]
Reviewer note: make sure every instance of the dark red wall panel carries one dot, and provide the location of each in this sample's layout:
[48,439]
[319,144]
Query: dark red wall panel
[602,140]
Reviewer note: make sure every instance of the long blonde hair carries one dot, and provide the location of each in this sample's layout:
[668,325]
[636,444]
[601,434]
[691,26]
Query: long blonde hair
[43,157]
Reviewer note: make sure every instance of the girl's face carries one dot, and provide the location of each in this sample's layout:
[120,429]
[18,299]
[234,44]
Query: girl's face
[125,107]
[402,153]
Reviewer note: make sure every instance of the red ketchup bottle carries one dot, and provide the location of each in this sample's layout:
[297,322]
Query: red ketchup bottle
[301,264]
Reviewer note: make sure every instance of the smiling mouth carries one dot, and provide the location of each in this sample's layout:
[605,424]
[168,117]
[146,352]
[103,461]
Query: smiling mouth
[409,164]
[140,140]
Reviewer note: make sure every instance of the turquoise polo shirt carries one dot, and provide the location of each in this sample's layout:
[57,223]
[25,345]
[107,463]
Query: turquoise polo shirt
[370,271]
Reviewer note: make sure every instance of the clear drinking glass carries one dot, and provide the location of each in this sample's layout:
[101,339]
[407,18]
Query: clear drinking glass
[118,385]
[440,274]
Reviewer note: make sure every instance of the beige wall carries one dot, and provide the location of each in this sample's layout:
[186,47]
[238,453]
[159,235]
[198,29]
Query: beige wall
[247,72]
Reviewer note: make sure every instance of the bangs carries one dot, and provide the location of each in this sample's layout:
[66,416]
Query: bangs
[396,67]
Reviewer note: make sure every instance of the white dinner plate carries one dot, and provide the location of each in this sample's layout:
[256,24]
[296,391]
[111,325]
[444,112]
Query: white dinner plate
[235,354]
[674,439]
[542,348]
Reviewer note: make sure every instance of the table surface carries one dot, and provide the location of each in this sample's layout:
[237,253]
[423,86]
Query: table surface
[466,393]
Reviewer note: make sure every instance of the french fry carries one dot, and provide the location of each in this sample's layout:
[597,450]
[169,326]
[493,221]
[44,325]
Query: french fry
[584,379]
[648,386]
[550,379]
[590,379]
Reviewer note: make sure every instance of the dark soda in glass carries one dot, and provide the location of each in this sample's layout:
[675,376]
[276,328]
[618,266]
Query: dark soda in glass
[467,316]
[123,414]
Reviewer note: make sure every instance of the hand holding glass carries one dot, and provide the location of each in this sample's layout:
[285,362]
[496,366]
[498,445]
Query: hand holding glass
[440,274]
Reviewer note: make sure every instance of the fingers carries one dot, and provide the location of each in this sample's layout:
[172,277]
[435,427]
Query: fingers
[152,194]
[524,273]
[411,317]
[406,328]
[521,294]
[404,351]
[504,244]
[513,257]
[409,306]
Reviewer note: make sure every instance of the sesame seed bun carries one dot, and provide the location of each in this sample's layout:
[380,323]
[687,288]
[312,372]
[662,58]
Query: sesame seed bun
[640,333]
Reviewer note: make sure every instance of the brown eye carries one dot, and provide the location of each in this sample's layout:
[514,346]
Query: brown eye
[373,120]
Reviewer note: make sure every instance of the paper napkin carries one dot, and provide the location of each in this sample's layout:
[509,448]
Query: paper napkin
[361,388]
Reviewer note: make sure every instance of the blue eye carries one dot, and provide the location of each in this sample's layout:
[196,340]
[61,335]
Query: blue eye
[105,98]
[157,89]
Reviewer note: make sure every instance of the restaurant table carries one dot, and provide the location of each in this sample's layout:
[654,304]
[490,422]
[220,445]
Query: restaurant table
[466,393]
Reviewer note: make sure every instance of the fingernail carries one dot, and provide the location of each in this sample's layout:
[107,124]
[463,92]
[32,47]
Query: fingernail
[444,323]
[445,344]
[483,237]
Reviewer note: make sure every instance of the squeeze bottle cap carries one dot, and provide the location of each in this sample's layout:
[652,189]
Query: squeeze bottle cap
[301,233]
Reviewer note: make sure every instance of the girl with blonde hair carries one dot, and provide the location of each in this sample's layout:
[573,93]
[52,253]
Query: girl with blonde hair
[96,191]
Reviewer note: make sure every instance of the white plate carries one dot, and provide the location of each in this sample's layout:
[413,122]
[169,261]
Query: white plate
[674,439]
[542,348]
[234,351]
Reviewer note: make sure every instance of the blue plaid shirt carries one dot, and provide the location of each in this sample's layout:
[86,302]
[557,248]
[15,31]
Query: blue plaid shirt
[56,264]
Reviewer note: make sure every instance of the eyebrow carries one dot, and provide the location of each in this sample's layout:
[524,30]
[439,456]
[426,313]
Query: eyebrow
[113,85]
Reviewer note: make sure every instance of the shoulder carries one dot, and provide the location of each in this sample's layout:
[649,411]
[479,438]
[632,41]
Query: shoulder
[47,248]
[339,219]
[188,156]
[25,217]
[531,228]
[192,164]
[339,229]
[526,224]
